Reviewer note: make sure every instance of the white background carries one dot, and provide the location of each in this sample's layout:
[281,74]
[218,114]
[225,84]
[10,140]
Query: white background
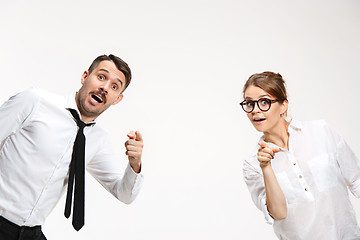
[189,59]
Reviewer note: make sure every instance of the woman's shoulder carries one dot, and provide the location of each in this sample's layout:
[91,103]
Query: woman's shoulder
[310,124]
[318,128]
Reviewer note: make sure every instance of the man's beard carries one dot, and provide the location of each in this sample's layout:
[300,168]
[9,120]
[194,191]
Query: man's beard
[85,110]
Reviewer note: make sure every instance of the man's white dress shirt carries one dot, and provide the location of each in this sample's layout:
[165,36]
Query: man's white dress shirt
[37,134]
[314,175]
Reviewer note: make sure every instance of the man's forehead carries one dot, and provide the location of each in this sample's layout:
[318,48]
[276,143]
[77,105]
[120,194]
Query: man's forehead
[110,68]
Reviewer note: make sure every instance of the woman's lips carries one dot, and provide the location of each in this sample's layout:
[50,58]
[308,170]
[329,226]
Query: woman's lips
[258,120]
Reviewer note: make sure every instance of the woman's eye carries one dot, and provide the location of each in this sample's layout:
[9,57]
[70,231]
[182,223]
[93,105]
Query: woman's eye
[249,104]
[264,102]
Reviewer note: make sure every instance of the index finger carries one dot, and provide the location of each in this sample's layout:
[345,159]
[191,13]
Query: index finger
[131,134]
[276,150]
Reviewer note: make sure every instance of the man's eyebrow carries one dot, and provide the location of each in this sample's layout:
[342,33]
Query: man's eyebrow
[107,71]
[103,69]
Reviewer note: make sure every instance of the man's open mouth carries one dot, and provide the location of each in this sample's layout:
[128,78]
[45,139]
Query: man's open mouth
[97,98]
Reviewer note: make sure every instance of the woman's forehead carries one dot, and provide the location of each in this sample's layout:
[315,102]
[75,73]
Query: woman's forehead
[253,92]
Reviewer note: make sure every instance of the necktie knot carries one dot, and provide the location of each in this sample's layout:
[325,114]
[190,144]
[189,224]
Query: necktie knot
[80,123]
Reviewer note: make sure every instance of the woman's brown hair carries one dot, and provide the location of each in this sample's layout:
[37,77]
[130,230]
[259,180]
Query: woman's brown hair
[270,82]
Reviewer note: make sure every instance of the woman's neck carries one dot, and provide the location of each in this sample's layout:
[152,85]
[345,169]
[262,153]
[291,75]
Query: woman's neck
[279,134]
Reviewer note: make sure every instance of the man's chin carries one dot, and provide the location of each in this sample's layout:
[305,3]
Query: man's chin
[91,112]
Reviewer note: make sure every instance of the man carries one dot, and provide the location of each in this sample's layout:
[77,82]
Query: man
[42,150]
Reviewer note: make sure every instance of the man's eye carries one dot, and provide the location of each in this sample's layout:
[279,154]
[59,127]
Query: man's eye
[115,87]
[101,77]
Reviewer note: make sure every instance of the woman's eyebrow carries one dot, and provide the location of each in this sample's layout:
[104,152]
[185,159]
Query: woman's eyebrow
[261,96]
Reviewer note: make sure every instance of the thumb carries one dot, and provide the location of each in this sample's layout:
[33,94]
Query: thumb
[138,136]
[263,144]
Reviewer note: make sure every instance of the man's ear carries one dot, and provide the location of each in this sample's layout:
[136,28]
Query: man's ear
[84,76]
[119,98]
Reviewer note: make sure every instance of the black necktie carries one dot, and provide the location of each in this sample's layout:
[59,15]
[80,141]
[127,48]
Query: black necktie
[77,173]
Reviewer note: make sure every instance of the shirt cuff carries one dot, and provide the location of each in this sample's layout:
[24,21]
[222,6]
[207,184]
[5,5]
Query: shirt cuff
[269,219]
[135,178]
[267,215]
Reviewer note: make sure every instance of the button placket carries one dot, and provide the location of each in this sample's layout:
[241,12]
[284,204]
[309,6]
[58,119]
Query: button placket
[300,177]
[55,174]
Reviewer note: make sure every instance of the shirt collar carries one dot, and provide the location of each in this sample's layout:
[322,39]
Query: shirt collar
[70,103]
[295,125]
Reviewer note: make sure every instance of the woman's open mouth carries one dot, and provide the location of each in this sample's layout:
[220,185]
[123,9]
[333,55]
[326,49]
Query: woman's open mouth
[259,120]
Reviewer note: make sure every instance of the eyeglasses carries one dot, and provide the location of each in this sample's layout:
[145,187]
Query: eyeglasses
[264,104]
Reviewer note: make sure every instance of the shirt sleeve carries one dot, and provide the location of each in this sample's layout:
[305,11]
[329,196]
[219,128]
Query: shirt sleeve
[349,164]
[106,168]
[255,183]
[16,111]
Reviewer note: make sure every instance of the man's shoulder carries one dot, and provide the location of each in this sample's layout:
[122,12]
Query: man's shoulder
[37,93]
[28,97]
[47,95]
[29,93]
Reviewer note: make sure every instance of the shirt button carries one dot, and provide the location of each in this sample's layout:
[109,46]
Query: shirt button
[58,166]
[294,163]
[46,188]
[306,189]
[300,177]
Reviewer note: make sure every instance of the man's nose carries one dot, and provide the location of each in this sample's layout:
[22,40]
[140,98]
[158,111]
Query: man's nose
[105,87]
[103,90]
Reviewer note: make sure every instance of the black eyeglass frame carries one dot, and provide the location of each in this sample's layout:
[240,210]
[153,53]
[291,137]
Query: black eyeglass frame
[257,102]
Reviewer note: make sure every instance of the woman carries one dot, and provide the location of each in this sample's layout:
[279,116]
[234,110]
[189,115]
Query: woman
[300,173]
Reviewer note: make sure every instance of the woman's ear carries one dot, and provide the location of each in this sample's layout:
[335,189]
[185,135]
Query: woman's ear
[284,107]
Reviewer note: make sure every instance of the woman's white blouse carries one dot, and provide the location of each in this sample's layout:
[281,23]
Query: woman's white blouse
[314,176]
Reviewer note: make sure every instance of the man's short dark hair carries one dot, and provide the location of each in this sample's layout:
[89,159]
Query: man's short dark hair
[119,63]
